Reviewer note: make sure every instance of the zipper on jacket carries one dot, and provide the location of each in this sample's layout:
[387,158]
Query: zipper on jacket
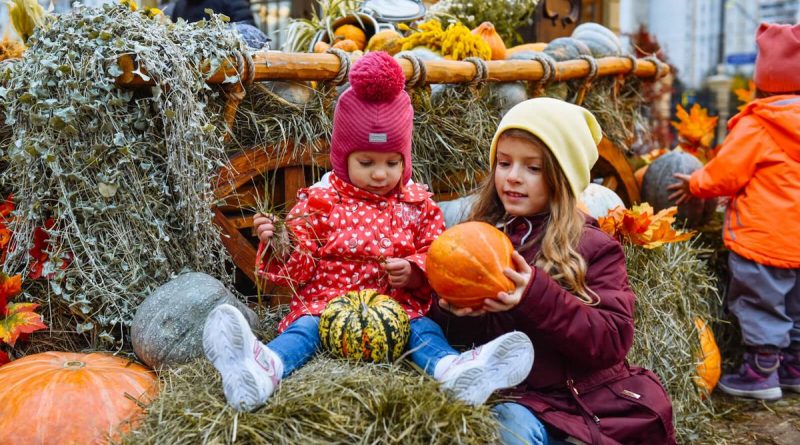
[577,396]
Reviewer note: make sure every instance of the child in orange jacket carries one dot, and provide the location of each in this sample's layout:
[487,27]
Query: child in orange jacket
[758,166]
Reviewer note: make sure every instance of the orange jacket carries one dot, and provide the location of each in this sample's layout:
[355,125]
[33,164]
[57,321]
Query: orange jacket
[758,165]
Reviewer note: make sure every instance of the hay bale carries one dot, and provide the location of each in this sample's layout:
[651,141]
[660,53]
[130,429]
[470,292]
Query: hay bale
[328,401]
[673,285]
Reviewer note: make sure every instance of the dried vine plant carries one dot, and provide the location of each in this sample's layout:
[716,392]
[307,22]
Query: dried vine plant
[125,175]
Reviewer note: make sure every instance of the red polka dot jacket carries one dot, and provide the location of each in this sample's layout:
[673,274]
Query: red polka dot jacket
[343,235]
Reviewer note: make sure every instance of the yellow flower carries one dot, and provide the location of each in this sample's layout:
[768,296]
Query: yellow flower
[152,12]
[130,4]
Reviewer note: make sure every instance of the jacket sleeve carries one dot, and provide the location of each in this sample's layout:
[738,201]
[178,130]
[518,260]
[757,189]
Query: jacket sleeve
[306,224]
[734,164]
[594,337]
[239,11]
[431,225]
[460,331]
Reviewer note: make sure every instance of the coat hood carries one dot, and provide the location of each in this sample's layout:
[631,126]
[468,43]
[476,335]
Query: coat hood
[780,116]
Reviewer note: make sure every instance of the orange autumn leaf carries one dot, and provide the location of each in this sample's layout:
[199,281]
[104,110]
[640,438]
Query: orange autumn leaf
[640,226]
[746,96]
[7,206]
[20,319]
[695,127]
[652,155]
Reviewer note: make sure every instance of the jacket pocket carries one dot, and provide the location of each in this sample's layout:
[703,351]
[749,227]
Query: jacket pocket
[637,409]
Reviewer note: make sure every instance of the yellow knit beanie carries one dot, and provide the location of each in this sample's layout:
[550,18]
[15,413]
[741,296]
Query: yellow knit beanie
[569,131]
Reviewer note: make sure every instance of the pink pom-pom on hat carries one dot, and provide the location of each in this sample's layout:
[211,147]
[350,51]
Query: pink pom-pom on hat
[374,114]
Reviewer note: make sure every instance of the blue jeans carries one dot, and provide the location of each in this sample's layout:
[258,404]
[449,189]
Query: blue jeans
[297,344]
[518,426]
[428,344]
[300,341]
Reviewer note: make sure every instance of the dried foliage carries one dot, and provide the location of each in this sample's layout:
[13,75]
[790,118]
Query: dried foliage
[455,42]
[125,175]
[506,15]
[674,286]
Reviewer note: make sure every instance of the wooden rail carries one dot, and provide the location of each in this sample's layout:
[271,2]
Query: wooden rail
[274,65]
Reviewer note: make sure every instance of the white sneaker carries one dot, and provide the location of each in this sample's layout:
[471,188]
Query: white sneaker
[502,363]
[247,367]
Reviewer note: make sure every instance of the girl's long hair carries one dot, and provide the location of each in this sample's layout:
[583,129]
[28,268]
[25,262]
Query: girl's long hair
[558,241]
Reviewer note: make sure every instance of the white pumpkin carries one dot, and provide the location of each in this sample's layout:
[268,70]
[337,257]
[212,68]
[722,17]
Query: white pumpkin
[600,200]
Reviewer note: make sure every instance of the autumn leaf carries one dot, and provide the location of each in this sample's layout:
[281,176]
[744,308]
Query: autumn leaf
[20,319]
[746,96]
[4,358]
[695,127]
[9,287]
[7,206]
[640,226]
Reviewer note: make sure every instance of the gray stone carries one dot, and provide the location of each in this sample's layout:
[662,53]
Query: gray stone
[167,329]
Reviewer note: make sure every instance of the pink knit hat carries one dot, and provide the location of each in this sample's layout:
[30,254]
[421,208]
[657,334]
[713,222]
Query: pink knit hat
[778,60]
[374,114]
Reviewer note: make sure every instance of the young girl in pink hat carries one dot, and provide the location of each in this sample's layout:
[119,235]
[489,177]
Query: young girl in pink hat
[370,229]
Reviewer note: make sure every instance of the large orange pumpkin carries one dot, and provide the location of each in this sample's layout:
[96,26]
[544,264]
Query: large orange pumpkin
[465,264]
[67,398]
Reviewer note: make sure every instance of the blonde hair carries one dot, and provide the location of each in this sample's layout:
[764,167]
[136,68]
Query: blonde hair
[558,241]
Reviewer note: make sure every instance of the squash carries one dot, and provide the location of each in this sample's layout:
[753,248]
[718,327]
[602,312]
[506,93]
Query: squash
[659,175]
[167,329]
[505,95]
[465,264]
[532,47]
[321,47]
[293,92]
[346,45]
[599,200]
[69,398]
[364,325]
[566,48]
[489,35]
[709,359]
[601,41]
[387,40]
[352,33]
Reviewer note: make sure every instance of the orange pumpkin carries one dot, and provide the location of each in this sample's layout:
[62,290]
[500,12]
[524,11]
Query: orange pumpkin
[351,32]
[709,366]
[68,398]
[531,47]
[489,35]
[346,45]
[465,264]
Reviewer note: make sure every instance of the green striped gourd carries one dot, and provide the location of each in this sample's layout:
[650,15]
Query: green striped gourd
[364,325]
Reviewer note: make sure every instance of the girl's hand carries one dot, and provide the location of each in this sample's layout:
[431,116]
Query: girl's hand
[681,188]
[402,274]
[520,278]
[265,227]
[460,312]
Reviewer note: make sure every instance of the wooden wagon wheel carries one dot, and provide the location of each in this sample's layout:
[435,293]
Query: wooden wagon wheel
[616,172]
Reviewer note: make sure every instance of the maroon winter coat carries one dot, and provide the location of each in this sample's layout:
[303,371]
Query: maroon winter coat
[580,384]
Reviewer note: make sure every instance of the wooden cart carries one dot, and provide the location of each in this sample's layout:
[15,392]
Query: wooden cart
[292,168]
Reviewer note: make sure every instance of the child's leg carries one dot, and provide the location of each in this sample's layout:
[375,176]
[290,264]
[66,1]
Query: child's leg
[757,296]
[473,375]
[428,344]
[789,371]
[518,426]
[297,344]
[249,372]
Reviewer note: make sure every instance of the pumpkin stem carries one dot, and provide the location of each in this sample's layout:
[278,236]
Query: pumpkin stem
[74,364]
